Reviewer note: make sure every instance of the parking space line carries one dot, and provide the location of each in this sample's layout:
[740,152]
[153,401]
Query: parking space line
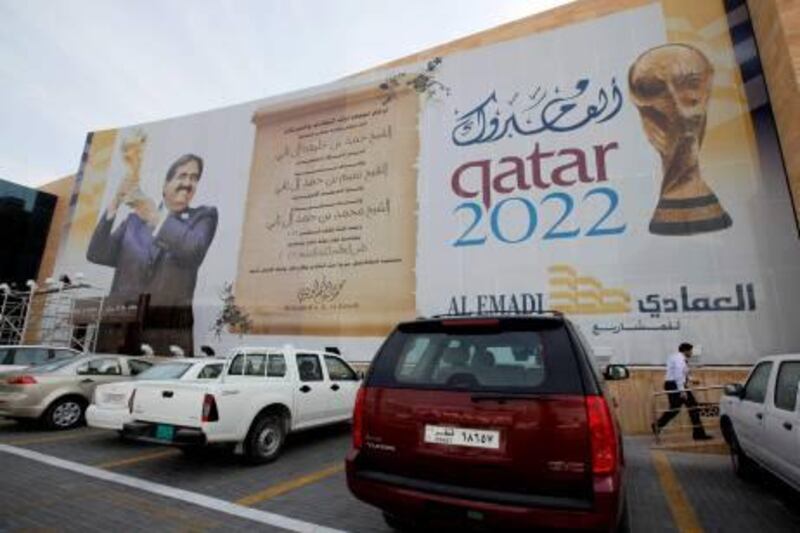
[138,459]
[292,484]
[682,512]
[194,498]
[52,438]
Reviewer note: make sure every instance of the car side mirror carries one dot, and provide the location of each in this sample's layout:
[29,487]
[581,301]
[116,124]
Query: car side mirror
[616,373]
[734,389]
[360,375]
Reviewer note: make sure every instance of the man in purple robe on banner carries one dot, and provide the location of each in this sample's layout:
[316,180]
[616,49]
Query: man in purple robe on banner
[157,251]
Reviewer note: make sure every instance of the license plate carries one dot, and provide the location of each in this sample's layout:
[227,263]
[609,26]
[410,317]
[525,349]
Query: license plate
[453,436]
[164,432]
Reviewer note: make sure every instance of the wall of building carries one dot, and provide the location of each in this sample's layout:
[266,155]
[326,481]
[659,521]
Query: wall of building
[777,28]
[25,216]
[61,188]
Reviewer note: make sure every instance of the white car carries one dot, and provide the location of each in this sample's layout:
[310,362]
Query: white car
[264,394]
[110,409]
[18,357]
[760,420]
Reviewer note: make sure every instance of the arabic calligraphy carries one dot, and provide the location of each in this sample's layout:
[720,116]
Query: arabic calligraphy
[599,329]
[320,291]
[574,294]
[536,112]
[743,300]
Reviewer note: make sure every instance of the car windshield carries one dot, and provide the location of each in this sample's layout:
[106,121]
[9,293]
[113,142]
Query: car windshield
[496,356]
[165,371]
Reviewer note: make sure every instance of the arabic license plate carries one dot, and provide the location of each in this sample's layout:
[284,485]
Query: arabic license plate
[452,436]
[164,432]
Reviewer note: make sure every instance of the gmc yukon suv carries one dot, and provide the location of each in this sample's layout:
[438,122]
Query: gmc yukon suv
[497,421]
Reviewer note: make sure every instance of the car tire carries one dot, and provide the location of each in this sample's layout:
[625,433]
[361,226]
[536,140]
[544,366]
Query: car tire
[265,439]
[397,523]
[743,466]
[65,413]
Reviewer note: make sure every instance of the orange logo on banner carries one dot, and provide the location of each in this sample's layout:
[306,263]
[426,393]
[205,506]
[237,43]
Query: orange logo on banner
[584,295]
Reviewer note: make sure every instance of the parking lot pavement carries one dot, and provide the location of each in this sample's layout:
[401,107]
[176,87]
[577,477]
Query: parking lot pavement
[723,502]
[667,492]
[40,497]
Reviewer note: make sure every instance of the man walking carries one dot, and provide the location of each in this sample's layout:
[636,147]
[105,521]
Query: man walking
[675,382]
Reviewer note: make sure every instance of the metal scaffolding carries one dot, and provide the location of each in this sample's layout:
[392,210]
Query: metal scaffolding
[13,312]
[60,314]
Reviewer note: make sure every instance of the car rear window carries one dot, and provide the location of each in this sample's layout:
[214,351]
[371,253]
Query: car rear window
[525,356]
[166,371]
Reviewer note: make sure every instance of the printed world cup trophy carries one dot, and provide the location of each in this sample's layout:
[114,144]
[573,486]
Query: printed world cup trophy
[671,86]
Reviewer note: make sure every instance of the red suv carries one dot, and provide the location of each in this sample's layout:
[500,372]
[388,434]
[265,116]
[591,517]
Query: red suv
[499,422]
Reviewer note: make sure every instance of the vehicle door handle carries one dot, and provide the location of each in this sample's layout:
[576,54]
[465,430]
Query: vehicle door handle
[787,426]
[167,394]
[87,380]
[760,416]
[305,388]
[335,386]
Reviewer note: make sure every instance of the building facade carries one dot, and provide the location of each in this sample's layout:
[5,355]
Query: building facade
[631,163]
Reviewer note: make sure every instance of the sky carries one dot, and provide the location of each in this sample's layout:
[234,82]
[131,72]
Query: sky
[71,67]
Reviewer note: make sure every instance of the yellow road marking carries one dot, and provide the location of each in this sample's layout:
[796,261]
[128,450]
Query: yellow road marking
[682,511]
[52,438]
[138,458]
[292,484]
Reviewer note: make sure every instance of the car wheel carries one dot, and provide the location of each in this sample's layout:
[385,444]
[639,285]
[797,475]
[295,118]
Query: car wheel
[265,439]
[397,523]
[743,466]
[65,413]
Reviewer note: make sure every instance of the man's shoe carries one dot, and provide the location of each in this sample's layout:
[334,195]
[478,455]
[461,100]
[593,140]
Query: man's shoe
[704,436]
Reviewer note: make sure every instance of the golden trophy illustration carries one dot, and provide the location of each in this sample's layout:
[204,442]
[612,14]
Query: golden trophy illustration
[671,86]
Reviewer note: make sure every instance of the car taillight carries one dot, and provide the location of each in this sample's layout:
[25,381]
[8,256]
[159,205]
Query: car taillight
[210,413]
[130,401]
[22,380]
[603,436]
[358,419]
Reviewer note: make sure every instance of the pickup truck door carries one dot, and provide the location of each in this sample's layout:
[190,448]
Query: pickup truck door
[749,422]
[245,368]
[312,394]
[781,431]
[344,386]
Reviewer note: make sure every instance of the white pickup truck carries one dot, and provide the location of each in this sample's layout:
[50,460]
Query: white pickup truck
[760,420]
[264,394]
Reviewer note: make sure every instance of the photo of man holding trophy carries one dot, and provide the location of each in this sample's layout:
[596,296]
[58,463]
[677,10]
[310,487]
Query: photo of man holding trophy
[156,250]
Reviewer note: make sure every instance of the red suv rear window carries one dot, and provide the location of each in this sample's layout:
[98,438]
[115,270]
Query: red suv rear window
[525,356]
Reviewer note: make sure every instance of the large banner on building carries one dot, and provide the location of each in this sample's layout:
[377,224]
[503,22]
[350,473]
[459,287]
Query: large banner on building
[622,170]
